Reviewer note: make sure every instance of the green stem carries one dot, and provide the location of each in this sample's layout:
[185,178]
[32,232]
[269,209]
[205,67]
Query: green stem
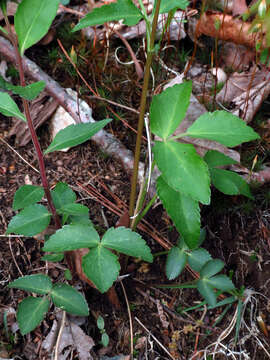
[150,52]
[144,212]
[141,198]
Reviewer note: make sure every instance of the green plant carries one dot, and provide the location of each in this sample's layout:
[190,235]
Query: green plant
[184,182]
[104,336]
[32,310]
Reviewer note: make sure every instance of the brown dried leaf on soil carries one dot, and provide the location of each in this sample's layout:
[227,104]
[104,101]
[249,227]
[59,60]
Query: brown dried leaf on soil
[230,29]
[246,92]
[72,337]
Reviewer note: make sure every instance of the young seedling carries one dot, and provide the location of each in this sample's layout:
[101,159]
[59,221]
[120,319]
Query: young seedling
[104,336]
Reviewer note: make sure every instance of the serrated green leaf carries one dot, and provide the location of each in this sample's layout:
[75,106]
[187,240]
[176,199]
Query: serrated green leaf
[230,183]
[28,92]
[223,127]
[31,312]
[75,134]
[72,237]
[62,195]
[215,158]
[122,9]
[211,268]
[197,258]
[183,169]
[74,209]
[53,257]
[27,195]
[101,267]
[175,263]
[184,211]
[38,283]
[69,299]
[221,282]
[32,21]
[127,242]
[168,109]
[100,323]
[207,292]
[82,220]
[166,6]
[30,221]
[8,107]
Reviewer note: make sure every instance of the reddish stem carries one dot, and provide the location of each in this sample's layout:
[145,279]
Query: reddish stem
[35,141]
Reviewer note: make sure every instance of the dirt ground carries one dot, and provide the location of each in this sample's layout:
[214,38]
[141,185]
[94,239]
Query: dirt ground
[237,232]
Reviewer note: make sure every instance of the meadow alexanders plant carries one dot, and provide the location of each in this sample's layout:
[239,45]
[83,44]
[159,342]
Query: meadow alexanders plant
[183,185]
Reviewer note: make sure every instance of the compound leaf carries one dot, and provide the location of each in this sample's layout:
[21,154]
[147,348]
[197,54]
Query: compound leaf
[223,127]
[53,257]
[75,134]
[74,209]
[183,210]
[221,282]
[32,21]
[127,242]
[62,195]
[38,283]
[30,221]
[197,258]
[29,92]
[31,312]
[207,291]
[72,237]
[8,107]
[101,267]
[230,183]
[211,268]
[122,9]
[27,195]
[69,299]
[168,109]
[183,169]
[175,263]
[215,158]
[167,6]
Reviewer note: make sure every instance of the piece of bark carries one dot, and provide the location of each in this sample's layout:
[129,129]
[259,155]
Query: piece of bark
[41,110]
[230,29]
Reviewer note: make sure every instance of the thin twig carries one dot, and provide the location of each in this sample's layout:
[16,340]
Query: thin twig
[56,351]
[130,320]
[13,257]
[154,338]
[16,152]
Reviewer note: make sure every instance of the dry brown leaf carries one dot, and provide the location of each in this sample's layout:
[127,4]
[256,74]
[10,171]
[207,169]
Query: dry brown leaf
[72,337]
[230,29]
[239,7]
[246,92]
